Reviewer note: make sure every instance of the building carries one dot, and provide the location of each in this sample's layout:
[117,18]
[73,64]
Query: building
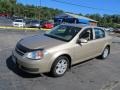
[74,18]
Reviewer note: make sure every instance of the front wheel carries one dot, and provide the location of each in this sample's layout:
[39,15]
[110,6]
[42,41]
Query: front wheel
[60,66]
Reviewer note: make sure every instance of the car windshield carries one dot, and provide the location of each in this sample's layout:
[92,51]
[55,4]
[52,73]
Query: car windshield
[35,21]
[18,20]
[63,32]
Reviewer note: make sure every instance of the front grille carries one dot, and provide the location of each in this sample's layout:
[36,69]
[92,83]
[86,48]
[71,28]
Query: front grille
[22,48]
[19,52]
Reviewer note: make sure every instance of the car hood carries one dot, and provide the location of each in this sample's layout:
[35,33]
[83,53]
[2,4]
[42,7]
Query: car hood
[40,41]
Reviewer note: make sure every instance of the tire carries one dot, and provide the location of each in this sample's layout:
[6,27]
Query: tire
[60,66]
[105,53]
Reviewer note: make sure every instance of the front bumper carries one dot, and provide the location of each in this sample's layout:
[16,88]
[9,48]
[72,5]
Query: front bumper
[18,25]
[31,66]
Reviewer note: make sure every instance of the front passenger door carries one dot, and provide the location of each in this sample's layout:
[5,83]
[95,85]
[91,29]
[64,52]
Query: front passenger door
[85,51]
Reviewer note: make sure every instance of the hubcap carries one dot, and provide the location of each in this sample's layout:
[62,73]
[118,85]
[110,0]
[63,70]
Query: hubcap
[61,66]
[105,54]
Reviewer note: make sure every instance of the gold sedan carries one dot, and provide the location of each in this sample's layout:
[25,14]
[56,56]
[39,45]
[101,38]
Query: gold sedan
[56,50]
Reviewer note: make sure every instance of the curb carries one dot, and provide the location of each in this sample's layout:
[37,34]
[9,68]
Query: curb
[20,28]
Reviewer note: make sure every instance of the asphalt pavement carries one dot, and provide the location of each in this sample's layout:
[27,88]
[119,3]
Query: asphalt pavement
[91,75]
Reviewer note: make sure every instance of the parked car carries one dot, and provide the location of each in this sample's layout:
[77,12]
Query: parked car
[34,23]
[117,30]
[109,29]
[4,15]
[19,23]
[47,25]
[57,50]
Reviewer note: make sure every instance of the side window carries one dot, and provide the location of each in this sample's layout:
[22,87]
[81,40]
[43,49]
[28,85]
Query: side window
[87,34]
[99,33]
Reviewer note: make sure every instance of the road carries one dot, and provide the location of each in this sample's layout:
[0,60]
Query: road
[91,75]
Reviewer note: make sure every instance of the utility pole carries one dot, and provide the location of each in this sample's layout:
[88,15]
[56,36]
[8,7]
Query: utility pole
[39,9]
[40,12]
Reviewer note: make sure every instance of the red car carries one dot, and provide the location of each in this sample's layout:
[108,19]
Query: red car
[4,14]
[47,25]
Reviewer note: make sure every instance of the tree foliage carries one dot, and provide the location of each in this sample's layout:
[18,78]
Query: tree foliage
[106,20]
[30,11]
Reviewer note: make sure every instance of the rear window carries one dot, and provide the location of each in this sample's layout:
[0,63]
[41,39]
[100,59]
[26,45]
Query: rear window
[18,20]
[35,21]
[99,33]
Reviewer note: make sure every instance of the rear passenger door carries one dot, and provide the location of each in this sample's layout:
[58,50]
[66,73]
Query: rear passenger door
[99,38]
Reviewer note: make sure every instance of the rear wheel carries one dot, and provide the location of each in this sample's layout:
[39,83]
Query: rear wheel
[60,66]
[105,53]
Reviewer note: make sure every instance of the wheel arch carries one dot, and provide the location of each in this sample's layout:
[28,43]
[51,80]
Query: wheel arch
[64,54]
[106,45]
[69,58]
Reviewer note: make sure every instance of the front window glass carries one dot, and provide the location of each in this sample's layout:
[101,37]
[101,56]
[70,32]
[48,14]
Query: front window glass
[87,34]
[63,32]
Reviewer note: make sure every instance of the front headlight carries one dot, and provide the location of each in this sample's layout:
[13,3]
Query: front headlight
[36,55]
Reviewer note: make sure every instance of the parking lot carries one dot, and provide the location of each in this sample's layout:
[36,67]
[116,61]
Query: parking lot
[91,75]
[5,22]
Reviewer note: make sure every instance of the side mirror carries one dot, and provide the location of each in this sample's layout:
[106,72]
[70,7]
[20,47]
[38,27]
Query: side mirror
[82,41]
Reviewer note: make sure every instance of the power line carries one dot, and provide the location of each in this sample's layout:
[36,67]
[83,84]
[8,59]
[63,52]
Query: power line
[89,7]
